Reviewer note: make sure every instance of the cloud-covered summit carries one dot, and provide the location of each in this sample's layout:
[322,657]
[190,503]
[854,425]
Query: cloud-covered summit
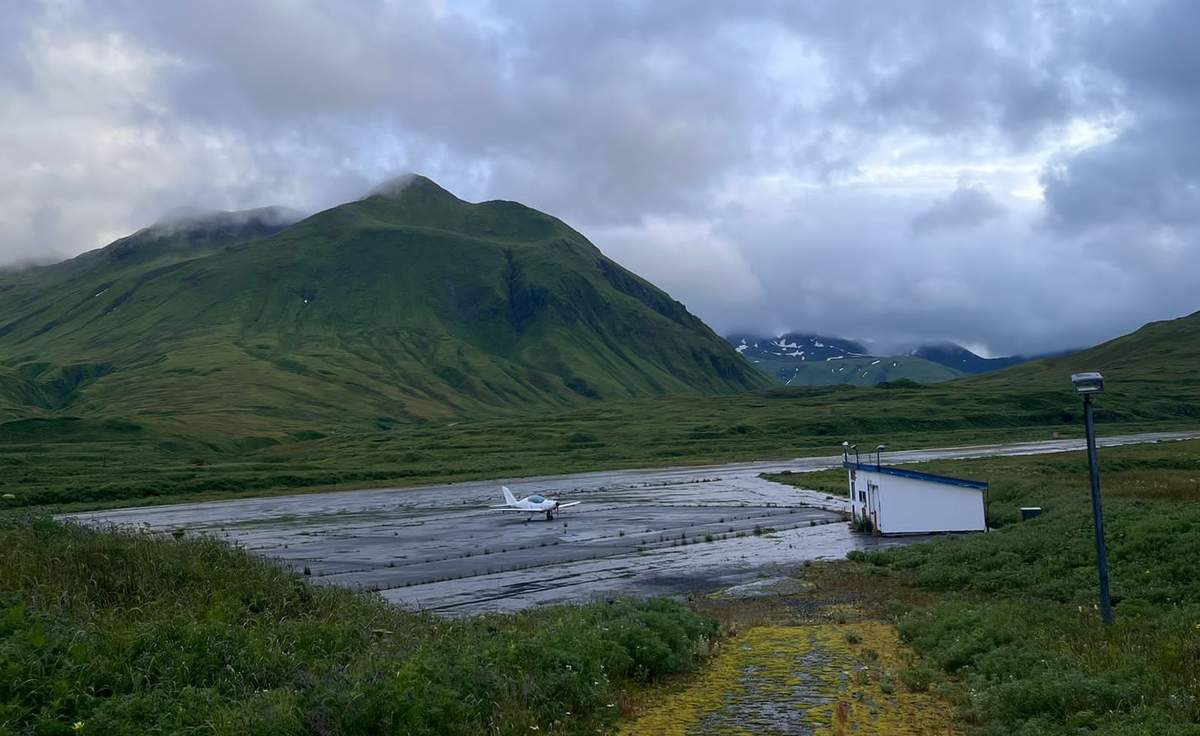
[1015,174]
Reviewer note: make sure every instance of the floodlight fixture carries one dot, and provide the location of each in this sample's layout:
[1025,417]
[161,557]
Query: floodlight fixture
[1088,383]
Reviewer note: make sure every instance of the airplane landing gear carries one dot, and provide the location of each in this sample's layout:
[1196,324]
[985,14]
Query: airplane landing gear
[549,516]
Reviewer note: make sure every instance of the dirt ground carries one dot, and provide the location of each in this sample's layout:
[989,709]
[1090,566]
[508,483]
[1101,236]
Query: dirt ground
[810,653]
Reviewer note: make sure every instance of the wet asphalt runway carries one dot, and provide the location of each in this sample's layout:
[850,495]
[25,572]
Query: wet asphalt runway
[638,532]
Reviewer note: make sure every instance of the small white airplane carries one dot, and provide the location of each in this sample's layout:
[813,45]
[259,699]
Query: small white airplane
[532,504]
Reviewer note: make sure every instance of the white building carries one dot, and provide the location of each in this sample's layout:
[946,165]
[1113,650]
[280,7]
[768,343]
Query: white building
[901,501]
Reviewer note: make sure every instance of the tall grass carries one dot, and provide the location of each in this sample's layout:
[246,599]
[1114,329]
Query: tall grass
[115,633]
[1016,637]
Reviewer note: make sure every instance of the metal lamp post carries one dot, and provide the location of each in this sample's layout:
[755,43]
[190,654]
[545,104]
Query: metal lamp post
[1088,385]
[879,450]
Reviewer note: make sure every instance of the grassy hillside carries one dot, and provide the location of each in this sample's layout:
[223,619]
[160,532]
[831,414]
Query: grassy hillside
[102,461]
[865,371]
[1164,354]
[406,305]
[108,633]
[964,361]
[105,461]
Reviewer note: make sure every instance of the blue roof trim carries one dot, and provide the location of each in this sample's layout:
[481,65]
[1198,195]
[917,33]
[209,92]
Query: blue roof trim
[917,475]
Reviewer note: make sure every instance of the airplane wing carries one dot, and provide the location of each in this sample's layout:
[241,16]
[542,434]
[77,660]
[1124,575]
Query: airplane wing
[512,508]
[573,503]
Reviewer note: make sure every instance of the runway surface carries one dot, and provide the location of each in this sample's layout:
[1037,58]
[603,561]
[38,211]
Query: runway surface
[638,532]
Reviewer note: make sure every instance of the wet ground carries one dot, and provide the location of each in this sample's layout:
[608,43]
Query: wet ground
[638,532]
[799,680]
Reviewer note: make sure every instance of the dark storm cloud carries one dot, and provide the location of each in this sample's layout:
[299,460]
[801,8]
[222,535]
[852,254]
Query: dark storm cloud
[965,207]
[864,168]
[1150,173]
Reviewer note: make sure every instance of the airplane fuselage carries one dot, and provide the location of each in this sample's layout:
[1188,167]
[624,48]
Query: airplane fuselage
[532,505]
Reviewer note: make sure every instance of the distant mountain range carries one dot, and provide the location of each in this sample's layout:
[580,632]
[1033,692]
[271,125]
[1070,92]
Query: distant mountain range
[961,359]
[804,359]
[407,305]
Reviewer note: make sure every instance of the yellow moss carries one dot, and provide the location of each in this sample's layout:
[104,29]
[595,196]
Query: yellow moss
[800,679]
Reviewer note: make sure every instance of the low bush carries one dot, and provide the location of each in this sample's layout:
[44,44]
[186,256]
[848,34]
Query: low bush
[1015,632]
[127,633]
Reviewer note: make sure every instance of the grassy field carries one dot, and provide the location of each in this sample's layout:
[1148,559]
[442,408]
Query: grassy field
[61,461]
[833,482]
[106,633]
[1014,638]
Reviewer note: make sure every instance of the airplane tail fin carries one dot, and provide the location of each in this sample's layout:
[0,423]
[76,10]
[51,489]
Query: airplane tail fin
[508,497]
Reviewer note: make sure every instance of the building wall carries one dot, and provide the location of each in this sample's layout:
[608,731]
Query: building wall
[911,506]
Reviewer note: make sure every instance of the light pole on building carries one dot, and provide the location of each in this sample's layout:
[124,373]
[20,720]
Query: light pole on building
[1088,385]
[878,450]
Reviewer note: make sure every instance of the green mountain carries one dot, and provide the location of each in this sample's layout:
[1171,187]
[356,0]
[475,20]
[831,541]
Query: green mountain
[803,359]
[1165,354]
[409,304]
[863,371]
[964,361]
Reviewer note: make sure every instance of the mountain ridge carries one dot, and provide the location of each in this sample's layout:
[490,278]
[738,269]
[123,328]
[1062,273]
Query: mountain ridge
[401,307]
[790,359]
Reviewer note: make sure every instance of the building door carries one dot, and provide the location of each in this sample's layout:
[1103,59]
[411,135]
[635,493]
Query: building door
[873,506]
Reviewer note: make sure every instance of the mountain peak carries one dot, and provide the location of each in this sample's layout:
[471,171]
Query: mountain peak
[411,186]
[406,305]
[191,218]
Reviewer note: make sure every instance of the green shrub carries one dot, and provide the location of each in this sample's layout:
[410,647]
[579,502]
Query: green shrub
[1015,631]
[133,634]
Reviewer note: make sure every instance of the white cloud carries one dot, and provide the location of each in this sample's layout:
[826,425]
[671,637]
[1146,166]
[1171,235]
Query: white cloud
[683,253]
[921,170]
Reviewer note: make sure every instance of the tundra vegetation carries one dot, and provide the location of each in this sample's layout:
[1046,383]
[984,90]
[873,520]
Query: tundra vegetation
[1000,629]
[77,463]
[132,633]
[1012,635]
[104,632]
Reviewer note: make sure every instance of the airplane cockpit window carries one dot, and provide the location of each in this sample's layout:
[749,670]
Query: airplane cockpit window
[535,499]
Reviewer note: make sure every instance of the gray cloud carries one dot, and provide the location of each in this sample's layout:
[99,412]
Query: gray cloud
[775,165]
[966,207]
[1150,172]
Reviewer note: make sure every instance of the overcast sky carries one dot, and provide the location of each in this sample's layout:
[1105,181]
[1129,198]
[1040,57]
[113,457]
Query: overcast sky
[1016,176]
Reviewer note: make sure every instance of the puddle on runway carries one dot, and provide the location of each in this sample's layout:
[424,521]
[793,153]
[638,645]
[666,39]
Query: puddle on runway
[638,533]
[460,558]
